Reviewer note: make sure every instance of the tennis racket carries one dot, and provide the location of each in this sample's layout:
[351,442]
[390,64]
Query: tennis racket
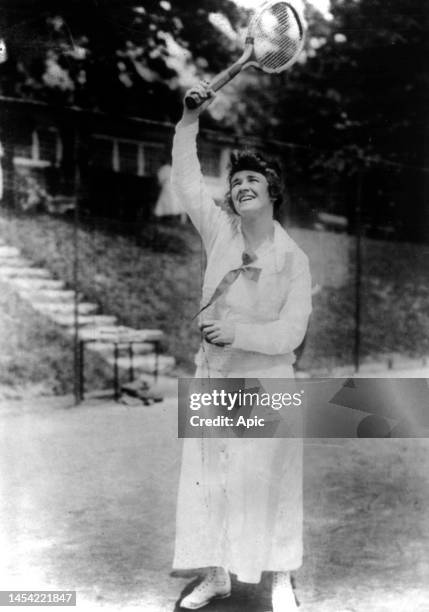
[275,38]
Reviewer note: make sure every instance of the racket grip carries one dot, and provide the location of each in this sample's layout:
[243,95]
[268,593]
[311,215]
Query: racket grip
[218,82]
[193,102]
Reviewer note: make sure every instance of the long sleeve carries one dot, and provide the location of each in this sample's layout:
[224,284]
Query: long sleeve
[188,184]
[287,332]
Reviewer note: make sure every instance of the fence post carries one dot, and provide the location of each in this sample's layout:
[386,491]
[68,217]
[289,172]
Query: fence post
[358,274]
[77,354]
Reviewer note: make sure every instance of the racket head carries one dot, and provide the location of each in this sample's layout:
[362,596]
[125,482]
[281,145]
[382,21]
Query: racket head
[277,33]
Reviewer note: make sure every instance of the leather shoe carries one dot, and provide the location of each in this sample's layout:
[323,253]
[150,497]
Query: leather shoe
[283,596]
[216,585]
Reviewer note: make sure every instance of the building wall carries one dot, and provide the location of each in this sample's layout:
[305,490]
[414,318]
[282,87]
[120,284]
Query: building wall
[119,157]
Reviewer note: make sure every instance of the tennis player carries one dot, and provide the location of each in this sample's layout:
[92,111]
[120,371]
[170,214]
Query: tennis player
[240,500]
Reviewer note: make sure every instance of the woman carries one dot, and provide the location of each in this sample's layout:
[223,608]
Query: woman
[240,500]
[167,205]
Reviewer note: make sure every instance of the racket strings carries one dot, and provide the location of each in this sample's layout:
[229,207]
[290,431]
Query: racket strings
[277,34]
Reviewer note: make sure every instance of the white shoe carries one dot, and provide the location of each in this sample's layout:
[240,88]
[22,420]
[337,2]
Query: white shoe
[283,597]
[216,585]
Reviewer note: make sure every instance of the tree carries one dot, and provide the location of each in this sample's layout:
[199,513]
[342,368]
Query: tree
[359,102]
[113,54]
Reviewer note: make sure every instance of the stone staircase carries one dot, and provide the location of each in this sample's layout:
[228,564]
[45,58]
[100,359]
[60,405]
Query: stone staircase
[50,298]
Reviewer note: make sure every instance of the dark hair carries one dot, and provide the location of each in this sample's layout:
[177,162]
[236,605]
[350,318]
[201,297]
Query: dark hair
[247,159]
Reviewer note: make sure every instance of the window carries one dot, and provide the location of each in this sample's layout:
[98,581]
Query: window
[43,148]
[154,158]
[128,157]
[102,152]
[23,150]
[49,145]
[210,158]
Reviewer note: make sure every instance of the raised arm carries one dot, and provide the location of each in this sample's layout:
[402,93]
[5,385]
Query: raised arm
[186,178]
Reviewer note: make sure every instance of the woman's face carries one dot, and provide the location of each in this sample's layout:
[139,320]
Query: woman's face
[250,193]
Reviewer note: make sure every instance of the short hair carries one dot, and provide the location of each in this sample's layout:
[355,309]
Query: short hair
[248,159]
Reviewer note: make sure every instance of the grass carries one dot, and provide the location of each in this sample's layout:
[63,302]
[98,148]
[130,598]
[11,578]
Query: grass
[152,279]
[150,284]
[394,301]
[36,357]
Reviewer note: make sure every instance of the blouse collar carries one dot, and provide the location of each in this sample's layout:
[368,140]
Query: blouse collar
[282,244]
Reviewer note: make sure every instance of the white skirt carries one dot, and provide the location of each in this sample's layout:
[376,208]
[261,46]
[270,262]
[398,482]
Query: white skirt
[240,503]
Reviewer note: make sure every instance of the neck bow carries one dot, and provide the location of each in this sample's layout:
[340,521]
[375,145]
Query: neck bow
[250,272]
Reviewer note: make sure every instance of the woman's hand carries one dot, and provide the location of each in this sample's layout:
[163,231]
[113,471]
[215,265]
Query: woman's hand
[201,90]
[218,332]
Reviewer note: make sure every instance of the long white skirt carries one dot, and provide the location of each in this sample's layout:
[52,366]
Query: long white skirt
[240,504]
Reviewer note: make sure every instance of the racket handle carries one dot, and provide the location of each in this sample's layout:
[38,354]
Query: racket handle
[193,102]
[218,82]
[226,76]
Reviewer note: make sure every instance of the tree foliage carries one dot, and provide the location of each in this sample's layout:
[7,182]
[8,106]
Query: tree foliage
[363,89]
[113,54]
[356,105]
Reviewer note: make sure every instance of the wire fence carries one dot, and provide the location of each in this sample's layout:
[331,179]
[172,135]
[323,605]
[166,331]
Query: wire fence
[364,234]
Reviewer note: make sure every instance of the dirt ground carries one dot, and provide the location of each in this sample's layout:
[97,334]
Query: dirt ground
[88,502]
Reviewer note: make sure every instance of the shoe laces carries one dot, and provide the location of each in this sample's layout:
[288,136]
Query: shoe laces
[282,579]
[214,575]
[283,594]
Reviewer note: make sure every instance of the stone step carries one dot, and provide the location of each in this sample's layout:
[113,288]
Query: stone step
[8,251]
[146,363]
[121,334]
[16,262]
[48,295]
[10,272]
[37,284]
[106,349]
[93,332]
[84,308]
[67,320]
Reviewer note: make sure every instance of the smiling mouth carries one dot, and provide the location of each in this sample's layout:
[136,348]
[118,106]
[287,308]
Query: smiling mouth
[246,198]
